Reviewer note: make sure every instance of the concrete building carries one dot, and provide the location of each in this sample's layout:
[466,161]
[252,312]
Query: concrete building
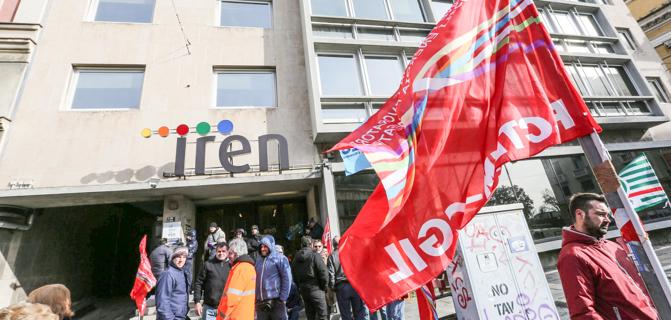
[654,16]
[144,117]
[356,52]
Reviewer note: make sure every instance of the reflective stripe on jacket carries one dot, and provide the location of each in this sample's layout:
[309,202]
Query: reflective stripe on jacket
[238,300]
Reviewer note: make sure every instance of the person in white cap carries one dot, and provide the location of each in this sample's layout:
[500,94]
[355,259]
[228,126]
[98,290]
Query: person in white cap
[172,290]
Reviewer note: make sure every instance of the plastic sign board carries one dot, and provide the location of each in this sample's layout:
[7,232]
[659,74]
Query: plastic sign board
[496,272]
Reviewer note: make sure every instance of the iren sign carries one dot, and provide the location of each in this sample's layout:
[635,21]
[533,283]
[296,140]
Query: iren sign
[226,151]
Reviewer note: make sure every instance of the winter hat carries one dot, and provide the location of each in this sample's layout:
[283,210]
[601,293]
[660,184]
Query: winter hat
[213,224]
[179,251]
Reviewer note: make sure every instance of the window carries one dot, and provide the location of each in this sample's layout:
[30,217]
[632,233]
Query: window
[399,10]
[414,36]
[658,89]
[140,11]
[344,113]
[589,25]
[107,89]
[440,8]
[330,31]
[339,75]
[329,8]
[572,23]
[375,34]
[384,75]
[601,80]
[370,9]
[246,14]
[406,10]
[246,88]
[626,39]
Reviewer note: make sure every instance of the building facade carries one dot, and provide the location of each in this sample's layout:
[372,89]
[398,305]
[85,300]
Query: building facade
[356,52]
[654,17]
[148,117]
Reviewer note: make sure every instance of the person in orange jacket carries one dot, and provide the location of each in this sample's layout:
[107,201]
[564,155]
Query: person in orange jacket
[238,299]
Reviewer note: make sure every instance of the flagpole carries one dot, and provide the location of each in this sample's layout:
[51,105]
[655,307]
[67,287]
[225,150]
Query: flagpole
[649,265]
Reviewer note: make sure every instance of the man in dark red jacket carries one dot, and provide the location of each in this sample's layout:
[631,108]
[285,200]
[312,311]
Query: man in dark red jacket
[599,280]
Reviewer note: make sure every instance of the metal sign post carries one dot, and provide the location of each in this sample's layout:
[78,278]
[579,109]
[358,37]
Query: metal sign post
[647,261]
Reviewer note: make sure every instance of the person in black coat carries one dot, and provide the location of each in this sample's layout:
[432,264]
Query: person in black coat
[160,258]
[310,274]
[209,285]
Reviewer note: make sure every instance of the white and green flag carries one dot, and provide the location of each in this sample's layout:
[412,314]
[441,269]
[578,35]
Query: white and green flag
[641,184]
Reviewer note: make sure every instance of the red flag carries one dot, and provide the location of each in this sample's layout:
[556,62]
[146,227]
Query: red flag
[426,302]
[326,237]
[144,279]
[485,87]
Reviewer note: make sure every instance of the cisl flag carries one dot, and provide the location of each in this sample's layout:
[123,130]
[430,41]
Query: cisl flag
[643,190]
[485,87]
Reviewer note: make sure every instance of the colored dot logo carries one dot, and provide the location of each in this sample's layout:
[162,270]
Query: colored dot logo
[224,127]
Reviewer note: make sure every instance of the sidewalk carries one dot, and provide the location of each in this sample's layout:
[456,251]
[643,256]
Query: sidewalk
[446,307]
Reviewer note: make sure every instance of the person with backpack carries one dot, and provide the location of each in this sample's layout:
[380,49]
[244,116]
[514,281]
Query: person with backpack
[311,276]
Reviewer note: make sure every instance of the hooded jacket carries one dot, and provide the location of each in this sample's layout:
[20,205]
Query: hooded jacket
[308,269]
[160,259]
[273,274]
[238,300]
[599,280]
[172,294]
[210,282]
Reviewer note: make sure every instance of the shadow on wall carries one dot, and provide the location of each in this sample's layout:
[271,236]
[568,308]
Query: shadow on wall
[128,175]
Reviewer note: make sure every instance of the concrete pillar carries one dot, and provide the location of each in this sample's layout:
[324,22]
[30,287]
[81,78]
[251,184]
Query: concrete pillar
[11,291]
[178,210]
[311,202]
[330,205]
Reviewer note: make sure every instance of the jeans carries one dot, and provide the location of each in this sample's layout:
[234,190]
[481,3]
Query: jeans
[350,303]
[379,314]
[209,313]
[395,310]
[294,312]
[278,311]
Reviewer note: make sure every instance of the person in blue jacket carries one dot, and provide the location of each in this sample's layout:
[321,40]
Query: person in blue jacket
[273,282]
[172,290]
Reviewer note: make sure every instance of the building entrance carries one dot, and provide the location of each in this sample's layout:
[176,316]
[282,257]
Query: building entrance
[283,219]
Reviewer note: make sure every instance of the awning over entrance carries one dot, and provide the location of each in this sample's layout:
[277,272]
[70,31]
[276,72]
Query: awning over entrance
[201,191]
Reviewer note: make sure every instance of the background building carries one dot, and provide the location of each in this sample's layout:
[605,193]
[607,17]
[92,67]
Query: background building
[654,16]
[357,50]
[77,175]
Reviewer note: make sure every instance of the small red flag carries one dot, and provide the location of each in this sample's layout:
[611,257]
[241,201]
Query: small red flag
[326,237]
[426,302]
[144,279]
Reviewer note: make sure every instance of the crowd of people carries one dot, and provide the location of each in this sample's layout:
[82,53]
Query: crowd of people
[251,278]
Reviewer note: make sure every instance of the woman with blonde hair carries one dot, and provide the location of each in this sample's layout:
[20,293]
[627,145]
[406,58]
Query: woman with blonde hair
[56,296]
[27,311]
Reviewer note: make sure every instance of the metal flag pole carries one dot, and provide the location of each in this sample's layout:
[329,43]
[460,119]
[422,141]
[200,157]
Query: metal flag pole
[644,254]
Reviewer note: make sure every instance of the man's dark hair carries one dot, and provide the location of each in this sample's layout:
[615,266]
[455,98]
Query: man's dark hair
[222,245]
[164,241]
[581,201]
